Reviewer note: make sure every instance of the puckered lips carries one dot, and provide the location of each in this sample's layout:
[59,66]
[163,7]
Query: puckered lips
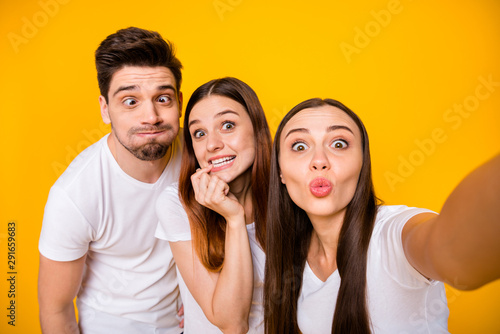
[150,132]
[221,162]
[320,187]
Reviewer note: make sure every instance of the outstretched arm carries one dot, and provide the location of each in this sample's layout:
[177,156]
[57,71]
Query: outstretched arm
[58,284]
[461,246]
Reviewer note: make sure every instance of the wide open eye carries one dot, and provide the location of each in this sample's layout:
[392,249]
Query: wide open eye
[130,102]
[164,99]
[227,125]
[339,144]
[198,134]
[299,147]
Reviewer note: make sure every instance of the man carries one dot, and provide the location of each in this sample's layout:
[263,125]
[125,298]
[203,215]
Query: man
[97,238]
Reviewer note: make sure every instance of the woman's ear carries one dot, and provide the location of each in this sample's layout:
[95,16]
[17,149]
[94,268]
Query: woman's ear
[282,179]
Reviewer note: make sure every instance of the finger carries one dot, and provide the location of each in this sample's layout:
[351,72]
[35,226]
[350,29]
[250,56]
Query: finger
[204,180]
[200,171]
[196,178]
[200,190]
[215,190]
[195,183]
[207,168]
[222,190]
[216,198]
[204,169]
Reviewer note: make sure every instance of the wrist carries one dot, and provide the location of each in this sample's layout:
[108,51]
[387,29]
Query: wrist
[236,220]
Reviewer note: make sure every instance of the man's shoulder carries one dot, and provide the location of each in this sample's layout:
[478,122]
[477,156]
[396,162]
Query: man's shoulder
[84,167]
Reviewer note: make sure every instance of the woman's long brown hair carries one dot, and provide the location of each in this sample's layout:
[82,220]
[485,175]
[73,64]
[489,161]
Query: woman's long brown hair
[288,237]
[208,227]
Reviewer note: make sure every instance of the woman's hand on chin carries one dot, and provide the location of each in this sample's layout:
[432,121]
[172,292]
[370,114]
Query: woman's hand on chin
[213,193]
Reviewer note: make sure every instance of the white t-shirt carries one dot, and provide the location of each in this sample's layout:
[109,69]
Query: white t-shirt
[400,299]
[98,209]
[174,226]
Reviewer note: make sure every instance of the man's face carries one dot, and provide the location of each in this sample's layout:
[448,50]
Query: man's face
[143,108]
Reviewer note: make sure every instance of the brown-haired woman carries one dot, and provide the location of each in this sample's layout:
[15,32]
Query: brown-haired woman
[218,233]
[339,262]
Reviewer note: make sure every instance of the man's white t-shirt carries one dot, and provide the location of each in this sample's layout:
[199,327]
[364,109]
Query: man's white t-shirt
[95,208]
[400,299]
[174,226]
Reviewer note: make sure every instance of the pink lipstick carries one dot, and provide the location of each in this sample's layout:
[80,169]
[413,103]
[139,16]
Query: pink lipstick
[320,187]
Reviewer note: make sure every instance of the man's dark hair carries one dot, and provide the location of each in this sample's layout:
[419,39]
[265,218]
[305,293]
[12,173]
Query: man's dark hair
[134,47]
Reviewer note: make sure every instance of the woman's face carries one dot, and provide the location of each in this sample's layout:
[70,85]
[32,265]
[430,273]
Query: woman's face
[320,159]
[222,136]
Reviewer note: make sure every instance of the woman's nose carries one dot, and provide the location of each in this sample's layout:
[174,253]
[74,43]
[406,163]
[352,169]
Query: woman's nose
[320,161]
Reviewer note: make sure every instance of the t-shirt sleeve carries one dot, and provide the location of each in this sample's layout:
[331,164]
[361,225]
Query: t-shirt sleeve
[173,222]
[66,233]
[389,228]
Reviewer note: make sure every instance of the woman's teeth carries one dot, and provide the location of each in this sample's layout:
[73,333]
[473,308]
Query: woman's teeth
[222,161]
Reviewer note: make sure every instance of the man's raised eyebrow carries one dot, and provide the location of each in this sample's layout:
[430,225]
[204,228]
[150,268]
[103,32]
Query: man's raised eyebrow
[165,87]
[135,87]
[122,88]
[337,127]
[303,130]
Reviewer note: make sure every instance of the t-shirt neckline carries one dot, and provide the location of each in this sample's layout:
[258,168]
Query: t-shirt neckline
[316,279]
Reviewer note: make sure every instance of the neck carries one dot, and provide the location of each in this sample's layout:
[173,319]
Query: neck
[325,239]
[241,188]
[144,171]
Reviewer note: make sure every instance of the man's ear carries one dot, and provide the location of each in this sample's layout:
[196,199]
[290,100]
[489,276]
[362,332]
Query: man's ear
[104,110]
[180,98]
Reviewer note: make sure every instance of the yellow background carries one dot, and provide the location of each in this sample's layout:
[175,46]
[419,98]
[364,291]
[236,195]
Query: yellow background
[405,74]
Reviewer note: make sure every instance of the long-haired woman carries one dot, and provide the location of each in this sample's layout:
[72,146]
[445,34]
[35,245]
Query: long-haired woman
[215,218]
[340,262]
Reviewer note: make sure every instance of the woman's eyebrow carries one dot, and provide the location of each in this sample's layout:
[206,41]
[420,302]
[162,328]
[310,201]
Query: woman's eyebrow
[194,121]
[328,129]
[224,112]
[219,114]
[338,127]
[303,130]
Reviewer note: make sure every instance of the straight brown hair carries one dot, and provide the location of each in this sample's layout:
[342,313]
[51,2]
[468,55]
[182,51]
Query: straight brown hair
[288,238]
[207,226]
